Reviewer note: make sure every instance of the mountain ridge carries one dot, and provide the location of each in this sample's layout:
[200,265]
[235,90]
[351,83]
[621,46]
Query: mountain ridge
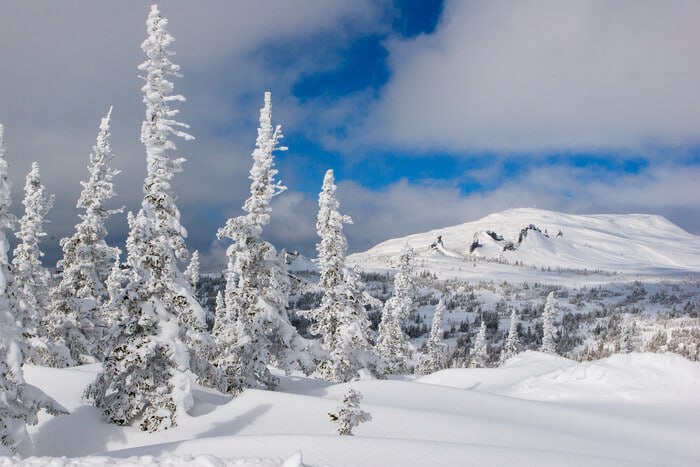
[643,243]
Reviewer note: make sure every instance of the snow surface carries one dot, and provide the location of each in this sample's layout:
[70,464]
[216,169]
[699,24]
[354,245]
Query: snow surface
[631,243]
[538,409]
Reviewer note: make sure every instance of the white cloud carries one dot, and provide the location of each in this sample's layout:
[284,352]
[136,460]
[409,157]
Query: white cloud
[545,75]
[404,208]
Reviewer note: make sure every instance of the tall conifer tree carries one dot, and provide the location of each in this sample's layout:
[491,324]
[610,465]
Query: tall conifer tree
[75,320]
[393,343]
[341,320]
[549,329]
[512,343]
[19,402]
[254,329]
[31,277]
[479,356]
[435,357]
[147,374]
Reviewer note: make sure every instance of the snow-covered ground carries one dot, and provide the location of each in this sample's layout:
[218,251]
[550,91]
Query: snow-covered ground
[632,409]
[537,409]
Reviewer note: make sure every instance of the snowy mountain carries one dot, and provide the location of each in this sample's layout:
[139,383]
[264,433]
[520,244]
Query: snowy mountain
[633,243]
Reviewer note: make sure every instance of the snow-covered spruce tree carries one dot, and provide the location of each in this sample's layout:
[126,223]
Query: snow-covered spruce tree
[349,413]
[160,336]
[435,357]
[20,402]
[627,334]
[192,271]
[393,344]
[116,282]
[254,329]
[75,321]
[549,329]
[512,344]
[479,355]
[341,320]
[31,278]
[169,284]
[219,310]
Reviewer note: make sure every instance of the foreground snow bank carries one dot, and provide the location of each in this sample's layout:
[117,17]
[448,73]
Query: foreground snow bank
[538,376]
[635,377]
[538,409]
[167,460]
[515,370]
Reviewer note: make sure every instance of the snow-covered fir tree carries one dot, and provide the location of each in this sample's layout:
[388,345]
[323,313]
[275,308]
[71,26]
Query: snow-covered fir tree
[192,271]
[145,375]
[393,344]
[32,279]
[512,344]
[479,355]
[167,238]
[195,330]
[627,334]
[549,330]
[75,321]
[254,329]
[147,372]
[20,402]
[116,282]
[435,357]
[341,320]
[219,309]
[349,414]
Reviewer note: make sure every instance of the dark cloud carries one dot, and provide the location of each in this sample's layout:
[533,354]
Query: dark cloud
[496,76]
[64,63]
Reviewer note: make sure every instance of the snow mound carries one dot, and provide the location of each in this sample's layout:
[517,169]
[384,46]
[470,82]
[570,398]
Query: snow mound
[537,409]
[151,461]
[634,377]
[516,369]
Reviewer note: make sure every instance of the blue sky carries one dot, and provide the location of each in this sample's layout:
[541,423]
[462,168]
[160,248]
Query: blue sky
[430,113]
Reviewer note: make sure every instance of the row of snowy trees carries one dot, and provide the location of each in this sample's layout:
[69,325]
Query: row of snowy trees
[479,356]
[140,317]
[20,402]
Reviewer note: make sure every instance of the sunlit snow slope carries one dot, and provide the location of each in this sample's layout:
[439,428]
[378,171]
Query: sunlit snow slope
[534,237]
[626,410]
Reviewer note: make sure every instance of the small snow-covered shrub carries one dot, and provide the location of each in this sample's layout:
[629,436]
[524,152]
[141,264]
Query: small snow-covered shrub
[349,413]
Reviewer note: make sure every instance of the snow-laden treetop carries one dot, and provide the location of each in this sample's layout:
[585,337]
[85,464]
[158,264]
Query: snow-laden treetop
[158,126]
[263,186]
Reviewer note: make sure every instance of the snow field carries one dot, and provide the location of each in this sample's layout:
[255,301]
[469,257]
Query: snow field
[538,409]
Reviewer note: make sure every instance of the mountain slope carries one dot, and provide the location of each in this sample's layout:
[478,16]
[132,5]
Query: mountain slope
[546,239]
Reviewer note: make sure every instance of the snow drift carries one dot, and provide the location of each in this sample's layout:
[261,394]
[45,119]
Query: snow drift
[538,409]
